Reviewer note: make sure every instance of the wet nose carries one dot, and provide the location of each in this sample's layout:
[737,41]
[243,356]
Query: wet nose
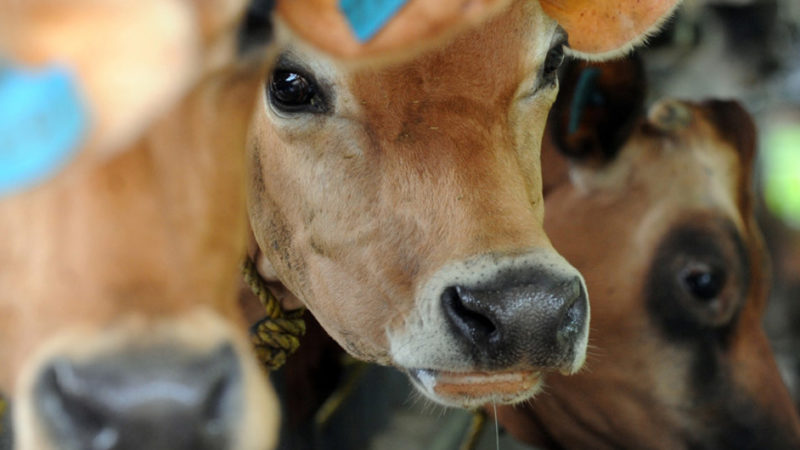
[154,399]
[534,318]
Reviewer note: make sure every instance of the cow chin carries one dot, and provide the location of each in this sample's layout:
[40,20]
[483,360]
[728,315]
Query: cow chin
[475,389]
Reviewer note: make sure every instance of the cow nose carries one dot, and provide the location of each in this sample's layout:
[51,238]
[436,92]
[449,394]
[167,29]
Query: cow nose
[154,399]
[539,320]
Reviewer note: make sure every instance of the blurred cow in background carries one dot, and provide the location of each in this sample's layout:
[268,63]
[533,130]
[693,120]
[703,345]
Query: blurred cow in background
[658,214]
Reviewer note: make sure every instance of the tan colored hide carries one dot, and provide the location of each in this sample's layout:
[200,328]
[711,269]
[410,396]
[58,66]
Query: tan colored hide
[139,252]
[403,205]
[133,58]
[664,233]
[131,254]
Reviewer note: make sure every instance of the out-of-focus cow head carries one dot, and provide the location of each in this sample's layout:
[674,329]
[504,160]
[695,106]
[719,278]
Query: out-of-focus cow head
[659,220]
[119,326]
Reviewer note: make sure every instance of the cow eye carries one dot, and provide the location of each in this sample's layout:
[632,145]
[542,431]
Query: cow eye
[698,278]
[553,60]
[703,282]
[293,92]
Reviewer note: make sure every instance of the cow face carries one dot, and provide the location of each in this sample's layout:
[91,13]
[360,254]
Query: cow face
[664,234]
[403,206]
[119,326]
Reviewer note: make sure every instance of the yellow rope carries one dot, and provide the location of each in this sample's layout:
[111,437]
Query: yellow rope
[470,441]
[354,371]
[276,336]
[3,407]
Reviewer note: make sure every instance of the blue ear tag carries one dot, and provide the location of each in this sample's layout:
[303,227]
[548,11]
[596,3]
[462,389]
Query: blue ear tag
[42,124]
[367,17]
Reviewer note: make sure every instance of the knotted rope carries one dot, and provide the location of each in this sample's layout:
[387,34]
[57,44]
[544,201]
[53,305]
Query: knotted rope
[276,336]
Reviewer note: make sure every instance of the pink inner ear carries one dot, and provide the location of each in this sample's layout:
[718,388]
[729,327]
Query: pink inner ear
[599,27]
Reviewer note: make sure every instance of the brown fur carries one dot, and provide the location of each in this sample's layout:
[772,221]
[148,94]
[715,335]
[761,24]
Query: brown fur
[419,23]
[438,144]
[423,165]
[118,51]
[137,243]
[641,388]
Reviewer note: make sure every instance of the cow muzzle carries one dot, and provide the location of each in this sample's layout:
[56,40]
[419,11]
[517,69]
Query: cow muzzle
[146,384]
[158,398]
[490,327]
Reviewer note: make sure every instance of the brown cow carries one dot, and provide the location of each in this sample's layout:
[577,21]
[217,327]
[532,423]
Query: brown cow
[403,204]
[119,326]
[660,222]
[117,321]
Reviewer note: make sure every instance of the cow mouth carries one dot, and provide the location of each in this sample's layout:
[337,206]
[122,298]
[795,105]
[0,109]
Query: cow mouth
[473,389]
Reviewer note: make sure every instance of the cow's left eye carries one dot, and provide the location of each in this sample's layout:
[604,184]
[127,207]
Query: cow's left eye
[703,282]
[292,92]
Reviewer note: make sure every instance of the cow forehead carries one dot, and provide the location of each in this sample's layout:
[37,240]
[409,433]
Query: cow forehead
[488,62]
[694,165]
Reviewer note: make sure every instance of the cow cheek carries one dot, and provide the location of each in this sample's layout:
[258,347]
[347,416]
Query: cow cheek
[348,307]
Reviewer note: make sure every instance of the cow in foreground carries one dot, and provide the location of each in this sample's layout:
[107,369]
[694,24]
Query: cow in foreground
[119,327]
[403,204]
[656,212]
[118,321]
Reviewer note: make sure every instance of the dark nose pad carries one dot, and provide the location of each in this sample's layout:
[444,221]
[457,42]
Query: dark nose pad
[524,318]
[154,399]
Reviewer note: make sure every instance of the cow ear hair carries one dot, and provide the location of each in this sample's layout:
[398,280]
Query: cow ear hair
[604,29]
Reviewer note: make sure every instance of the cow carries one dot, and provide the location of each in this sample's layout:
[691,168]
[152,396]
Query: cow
[656,211]
[402,204]
[118,321]
[119,326]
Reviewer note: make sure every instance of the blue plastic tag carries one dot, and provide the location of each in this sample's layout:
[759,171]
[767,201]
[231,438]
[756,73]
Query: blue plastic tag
[367,17]
[42,124]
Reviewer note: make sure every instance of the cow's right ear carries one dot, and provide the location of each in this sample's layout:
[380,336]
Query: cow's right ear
[603,29]
[597,108]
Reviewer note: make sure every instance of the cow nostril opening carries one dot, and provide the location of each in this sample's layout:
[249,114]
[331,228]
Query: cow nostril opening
[574,317]
[471,322]
[218,405]
[67,404]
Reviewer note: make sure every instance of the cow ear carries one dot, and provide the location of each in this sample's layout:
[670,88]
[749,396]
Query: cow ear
[352,29]
[602,29]
[597,108]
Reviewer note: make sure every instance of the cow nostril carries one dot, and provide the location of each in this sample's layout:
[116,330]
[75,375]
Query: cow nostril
[463,311]
[218,405]
[575,314]
[64,397]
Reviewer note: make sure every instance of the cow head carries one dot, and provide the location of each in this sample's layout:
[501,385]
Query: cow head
[402,204]
[660,223]
[119,326]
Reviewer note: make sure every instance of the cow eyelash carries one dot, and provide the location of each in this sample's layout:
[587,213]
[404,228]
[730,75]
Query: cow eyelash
[553,61]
